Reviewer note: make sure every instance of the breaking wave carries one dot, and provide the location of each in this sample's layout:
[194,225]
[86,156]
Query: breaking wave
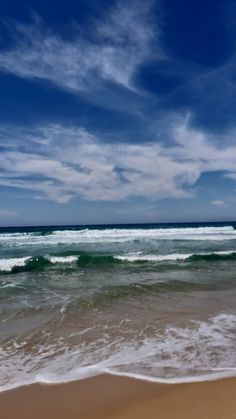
[29,263]
[116,235]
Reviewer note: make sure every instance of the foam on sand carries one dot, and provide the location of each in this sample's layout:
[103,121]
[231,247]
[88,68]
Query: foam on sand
[203,350]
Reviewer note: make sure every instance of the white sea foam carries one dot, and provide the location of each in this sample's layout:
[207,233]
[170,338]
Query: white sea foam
[135,257]
[153,258]
[117,235]
[202,350]
[211,376]
[6,265]
[62,259]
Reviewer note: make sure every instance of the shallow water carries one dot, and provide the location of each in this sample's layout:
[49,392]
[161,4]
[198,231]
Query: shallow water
[156,302]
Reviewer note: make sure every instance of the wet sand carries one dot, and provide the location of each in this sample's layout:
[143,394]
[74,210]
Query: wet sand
[113,397]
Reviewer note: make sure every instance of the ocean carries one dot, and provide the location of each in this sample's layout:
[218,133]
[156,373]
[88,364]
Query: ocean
[155,302]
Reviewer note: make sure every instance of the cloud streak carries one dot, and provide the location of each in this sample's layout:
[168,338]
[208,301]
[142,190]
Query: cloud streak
[61,163]
[217,203]
[7,213]
[113,50]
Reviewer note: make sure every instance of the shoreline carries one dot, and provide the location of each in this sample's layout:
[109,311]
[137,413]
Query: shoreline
[110,396]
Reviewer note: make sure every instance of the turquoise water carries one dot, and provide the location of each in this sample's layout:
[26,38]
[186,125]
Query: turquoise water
[150,301]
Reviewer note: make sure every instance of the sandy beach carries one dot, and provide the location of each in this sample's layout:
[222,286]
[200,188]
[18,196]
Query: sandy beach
[121,398]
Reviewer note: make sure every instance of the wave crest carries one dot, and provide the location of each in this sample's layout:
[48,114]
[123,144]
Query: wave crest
[29,263]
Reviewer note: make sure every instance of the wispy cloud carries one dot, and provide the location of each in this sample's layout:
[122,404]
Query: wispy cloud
[209,93]
[61,163]
[113,50]
[217,203]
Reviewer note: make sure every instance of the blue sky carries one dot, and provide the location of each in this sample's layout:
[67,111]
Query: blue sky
[114,112]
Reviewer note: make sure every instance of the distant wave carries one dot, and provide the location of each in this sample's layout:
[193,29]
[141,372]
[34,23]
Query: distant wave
[116,235]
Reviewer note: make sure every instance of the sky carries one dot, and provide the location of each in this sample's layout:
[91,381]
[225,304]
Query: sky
[117,111]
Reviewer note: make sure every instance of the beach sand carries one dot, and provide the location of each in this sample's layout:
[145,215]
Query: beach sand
[109,396]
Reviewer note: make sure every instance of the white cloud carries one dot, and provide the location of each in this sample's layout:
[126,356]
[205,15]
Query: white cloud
[218,202]
[60,163]
[117,45]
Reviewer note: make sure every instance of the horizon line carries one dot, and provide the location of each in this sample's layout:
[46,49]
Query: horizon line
[117,224]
